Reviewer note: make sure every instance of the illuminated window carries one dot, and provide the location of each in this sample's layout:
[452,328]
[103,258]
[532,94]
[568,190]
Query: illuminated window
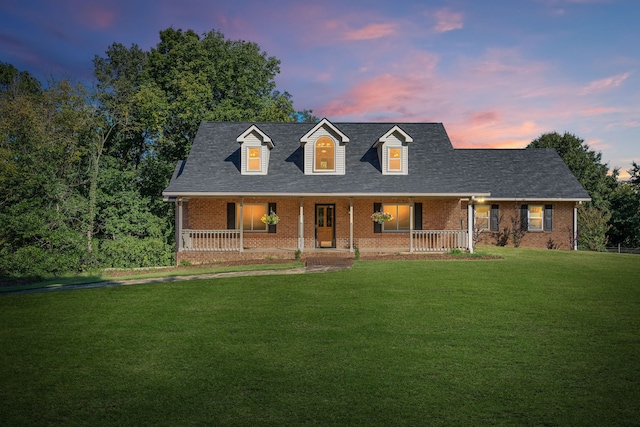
[254,163]
[536,217]
[251,217]
[401,218]
[395,159]
[325,154]
[482,217]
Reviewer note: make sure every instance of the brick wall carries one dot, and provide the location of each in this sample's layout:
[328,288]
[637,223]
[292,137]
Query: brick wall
[437,214]
[560,236]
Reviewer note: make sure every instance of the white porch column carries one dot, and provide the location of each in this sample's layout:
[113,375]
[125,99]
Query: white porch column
[411,225]
[575,228]
[301,226]
[470,225]
[350,225]
[241,224]
[179,225]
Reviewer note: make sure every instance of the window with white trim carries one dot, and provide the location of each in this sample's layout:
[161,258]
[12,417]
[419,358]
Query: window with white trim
[252,216]
[254,162]
[325,154]
[401,218]
[482,217]
[394,158]
[536,217]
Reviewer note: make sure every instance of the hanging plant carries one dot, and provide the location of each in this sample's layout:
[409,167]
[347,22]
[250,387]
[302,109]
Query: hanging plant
[271,219]
[381,217]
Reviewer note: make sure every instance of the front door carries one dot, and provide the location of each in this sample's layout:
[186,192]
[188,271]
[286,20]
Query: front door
[325,229]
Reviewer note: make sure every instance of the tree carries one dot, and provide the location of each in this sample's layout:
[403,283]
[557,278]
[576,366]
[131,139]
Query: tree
[210,78]
[44,137]
[625,210]
[594,176]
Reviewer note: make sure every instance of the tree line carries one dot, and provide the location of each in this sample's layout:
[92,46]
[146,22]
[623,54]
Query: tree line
[82,168]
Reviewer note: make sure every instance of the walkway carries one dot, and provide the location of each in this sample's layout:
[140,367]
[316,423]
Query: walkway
[312,265]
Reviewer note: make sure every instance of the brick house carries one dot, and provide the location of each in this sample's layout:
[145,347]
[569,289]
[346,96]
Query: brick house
[324,181]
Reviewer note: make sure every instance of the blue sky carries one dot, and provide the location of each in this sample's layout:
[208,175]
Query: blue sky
[497,73]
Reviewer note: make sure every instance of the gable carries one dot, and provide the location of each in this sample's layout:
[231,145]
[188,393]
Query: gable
[255,150]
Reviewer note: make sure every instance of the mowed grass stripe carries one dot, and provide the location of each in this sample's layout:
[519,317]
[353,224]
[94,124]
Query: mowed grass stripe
[537,338]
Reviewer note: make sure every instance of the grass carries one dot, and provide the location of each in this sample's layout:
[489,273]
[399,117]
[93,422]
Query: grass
[536,338]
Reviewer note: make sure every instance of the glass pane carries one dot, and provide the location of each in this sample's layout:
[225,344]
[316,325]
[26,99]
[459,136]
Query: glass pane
[325,154]
[254,159]
[482,217]
[392,224]
[251,217]
[257,213]
[246,217]
[321,216]
[329,216]
[482,223]
[395,159]
[535,224]
[535,217]
[404,217]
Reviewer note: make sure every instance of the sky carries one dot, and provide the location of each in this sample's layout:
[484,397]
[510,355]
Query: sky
[496,73]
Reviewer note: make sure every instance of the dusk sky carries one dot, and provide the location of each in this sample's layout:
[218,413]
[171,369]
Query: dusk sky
[496,73]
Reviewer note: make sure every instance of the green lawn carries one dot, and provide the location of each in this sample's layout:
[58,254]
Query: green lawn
[536,338]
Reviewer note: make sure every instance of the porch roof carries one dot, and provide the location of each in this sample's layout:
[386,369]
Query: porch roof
[436,169]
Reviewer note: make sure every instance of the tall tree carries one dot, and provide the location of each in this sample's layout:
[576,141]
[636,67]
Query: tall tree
[210,78]
[594,176]
[45,135]
[625,210]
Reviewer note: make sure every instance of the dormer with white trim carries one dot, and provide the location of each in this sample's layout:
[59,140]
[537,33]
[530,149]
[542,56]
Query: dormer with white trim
[393,152]
[255,148]
[324,150]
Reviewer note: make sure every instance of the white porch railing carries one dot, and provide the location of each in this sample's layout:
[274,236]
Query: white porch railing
[211,240]
[439,240]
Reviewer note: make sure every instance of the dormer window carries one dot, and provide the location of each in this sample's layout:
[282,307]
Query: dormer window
[254,152]
[254,162]
[395,159]
[393,151]
[324,149]
[325,155]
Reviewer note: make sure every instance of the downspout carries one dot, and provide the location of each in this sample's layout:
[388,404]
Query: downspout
[351,225]
[301,227]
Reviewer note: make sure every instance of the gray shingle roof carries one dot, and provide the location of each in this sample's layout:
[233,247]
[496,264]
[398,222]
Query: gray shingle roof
[435,167]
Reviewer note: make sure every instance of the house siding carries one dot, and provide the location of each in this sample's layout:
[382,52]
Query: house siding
[310,148]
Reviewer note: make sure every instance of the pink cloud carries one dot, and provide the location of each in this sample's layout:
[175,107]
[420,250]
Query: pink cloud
[447,20]
[372,31]
[596,111]
[604,84]
[96,15]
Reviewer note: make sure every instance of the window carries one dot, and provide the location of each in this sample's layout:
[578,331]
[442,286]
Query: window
[325,154]
[395,159]
[254,163]
[401,218]
[536,217]
[482,217]
[251,217]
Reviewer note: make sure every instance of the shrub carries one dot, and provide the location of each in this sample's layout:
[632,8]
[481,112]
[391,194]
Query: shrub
[131,252]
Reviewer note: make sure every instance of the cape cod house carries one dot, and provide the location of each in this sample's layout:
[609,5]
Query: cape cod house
[250,188]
